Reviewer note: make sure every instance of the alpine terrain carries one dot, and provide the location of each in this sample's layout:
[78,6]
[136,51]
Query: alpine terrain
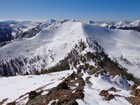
[69,62]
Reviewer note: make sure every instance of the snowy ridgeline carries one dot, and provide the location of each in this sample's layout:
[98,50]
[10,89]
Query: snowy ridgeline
[77,45]
[56,39]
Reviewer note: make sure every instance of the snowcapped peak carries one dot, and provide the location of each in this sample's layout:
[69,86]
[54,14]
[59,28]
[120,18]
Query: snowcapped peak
[54,42]
[25,25]
[50,42]
[71,45]
[121,24]
[107,24]
[28,23]
[135,23]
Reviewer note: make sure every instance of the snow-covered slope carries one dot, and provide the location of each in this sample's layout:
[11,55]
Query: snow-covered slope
[12,87]
[18,90]
[135,23]
[53,44]
[126,25]
[47,48]
[25,25]
[121,45]
[121,24]
[83,46]
[107,25]
[103,83]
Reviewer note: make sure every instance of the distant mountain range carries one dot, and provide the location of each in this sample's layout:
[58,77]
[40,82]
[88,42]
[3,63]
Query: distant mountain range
[102,57]
[28,46]
[11,29]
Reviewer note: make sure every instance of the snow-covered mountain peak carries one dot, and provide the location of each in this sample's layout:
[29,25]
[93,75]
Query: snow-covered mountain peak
[25,25]
[50,44]
[106,24]
[53,43]
[121,24]
[100,58]
[135,23]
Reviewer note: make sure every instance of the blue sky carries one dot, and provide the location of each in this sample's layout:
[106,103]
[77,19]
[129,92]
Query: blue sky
[99,10]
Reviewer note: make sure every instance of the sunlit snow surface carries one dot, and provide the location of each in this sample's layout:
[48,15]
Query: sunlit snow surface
[59,39]
[13,87]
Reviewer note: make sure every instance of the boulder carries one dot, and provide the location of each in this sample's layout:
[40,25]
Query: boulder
[79,95]
[136,92]
[88,80]
[108,97]
[78,71]
[62,86]
[70,77]
[103,93]
[113,89]
[134,100]
[81,81]
[33,94]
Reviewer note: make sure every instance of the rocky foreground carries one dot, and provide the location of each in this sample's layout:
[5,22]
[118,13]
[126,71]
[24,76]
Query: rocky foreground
[73,91]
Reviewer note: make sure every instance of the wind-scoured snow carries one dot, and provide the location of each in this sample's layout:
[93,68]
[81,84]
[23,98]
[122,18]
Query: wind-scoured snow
[20,85]
[14,87]
[103,83]
[122,45]
[121,24]
[53,44]
[25,25]
[135,23]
